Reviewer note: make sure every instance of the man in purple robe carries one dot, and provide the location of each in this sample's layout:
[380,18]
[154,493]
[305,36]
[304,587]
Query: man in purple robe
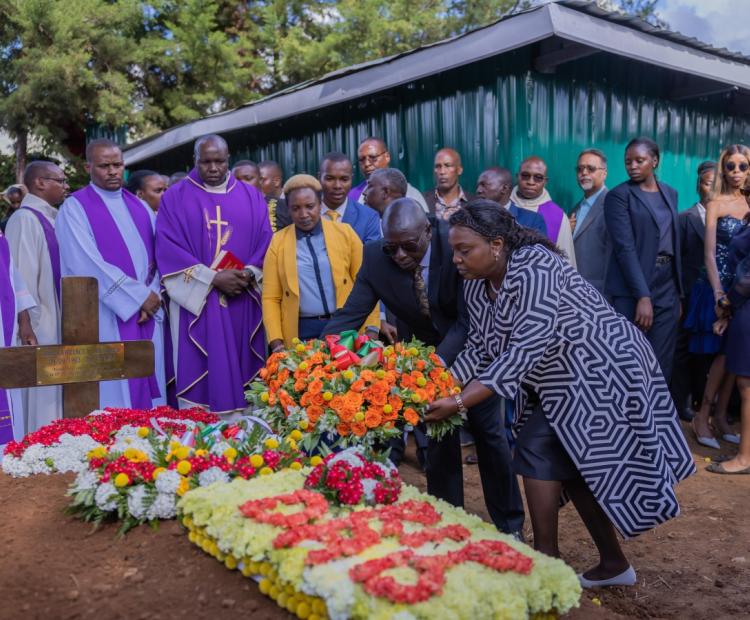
[212,232]
[531,194]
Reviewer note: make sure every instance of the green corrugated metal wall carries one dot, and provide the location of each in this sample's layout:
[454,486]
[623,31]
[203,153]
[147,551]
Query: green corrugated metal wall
[499,111]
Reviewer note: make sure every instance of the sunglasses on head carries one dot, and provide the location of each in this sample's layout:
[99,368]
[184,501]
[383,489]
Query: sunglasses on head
[528,175]
[730,166]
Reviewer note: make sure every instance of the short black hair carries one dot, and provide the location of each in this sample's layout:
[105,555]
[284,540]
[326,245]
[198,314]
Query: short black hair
[100,143]
[270,163]
[335,157]
[36,169]
[13,189]
[138,178]
[706,166]
[244,162]
[650,145]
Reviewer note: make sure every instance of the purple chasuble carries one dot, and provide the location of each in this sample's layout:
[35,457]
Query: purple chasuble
[356,191]
[114,250]
[53,249]
[553,216]
[221,350]
[8,310]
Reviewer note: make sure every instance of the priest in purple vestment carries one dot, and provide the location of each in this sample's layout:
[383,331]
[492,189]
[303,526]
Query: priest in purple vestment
[208,224]
[531,194]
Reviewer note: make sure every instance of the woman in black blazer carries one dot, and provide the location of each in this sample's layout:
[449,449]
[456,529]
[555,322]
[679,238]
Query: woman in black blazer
[644,275]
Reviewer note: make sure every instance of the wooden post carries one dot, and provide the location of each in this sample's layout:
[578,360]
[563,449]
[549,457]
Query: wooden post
[81,361]
[80,325]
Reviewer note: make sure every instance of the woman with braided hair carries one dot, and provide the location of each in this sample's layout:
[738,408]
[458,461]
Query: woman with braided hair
[603,429]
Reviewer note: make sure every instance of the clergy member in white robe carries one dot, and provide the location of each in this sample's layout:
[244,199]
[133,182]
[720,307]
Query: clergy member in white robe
[15,327]
[106,232]
[33,246]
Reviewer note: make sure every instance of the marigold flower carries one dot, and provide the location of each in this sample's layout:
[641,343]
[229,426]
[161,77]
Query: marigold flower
[182,452]
[158,472]
[184,467]
[142,432]
[316,460]
[256,460]
[327,396]
[122,480]
[296,435]
[271,444]
[266,471]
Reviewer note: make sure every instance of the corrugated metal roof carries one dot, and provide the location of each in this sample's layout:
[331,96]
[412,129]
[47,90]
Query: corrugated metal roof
[577,21]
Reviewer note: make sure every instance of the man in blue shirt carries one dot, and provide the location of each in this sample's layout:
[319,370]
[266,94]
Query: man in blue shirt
[590,237]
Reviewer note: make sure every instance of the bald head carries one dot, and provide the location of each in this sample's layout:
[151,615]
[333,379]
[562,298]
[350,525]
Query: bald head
[100,144]
[447,170]
[212,159]
[532,177]
[495,183]
[404,215]
[38,169]
[406,233]
[212,139]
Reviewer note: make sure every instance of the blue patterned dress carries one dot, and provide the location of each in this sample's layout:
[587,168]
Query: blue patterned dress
[598,382]
[700,314]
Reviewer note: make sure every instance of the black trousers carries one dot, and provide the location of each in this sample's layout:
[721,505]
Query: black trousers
[689,374]
[665,299]
[501,492]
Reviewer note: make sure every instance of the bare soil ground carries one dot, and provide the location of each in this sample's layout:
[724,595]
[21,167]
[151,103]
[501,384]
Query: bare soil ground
[52,566]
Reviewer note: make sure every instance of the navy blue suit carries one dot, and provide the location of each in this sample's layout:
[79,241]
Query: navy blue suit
[633,270]
[529,219]
[364,220]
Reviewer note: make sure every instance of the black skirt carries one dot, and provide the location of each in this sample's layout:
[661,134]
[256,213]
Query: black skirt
[539,453]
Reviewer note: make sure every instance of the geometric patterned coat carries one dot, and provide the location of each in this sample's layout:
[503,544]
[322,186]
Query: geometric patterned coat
[598,381]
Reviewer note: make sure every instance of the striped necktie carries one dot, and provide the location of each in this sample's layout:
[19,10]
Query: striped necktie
[420,290]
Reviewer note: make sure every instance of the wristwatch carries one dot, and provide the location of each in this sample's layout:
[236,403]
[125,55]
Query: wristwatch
[462,410]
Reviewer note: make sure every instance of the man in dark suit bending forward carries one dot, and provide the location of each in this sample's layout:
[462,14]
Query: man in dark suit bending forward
[411,271]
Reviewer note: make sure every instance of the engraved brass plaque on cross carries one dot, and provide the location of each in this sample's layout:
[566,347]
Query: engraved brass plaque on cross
[80,362]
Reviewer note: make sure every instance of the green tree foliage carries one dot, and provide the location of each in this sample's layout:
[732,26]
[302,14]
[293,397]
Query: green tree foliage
[64,65]
[151,64]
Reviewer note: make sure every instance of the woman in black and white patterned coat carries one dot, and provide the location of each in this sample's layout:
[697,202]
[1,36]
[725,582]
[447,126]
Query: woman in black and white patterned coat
[605,429]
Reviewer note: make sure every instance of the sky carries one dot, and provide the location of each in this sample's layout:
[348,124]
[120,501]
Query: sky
[722,23]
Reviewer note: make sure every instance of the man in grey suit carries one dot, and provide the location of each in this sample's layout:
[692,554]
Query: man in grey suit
[690,369]
[590,237]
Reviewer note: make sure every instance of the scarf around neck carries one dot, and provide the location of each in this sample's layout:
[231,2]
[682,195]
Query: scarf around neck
[529,203]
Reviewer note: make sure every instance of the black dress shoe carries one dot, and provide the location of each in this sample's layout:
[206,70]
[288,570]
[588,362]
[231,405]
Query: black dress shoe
[686,415]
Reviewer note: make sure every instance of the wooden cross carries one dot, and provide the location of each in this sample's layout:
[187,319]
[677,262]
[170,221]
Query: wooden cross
[81,361]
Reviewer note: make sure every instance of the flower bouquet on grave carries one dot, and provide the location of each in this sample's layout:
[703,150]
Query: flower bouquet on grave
[410,556]
[62,445]
[350,390]
[138,478]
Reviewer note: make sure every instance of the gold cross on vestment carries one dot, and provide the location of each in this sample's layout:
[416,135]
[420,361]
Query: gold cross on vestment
[218,222]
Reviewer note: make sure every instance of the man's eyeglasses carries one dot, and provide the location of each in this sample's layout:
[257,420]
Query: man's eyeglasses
[528,175]
[370,158]
[589,169]
[730,166]
[62,181]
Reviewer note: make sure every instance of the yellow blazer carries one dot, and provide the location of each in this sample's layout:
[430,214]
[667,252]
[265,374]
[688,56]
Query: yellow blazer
[281,284]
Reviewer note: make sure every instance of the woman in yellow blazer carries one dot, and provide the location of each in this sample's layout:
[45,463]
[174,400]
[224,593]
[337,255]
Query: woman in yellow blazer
[309,269]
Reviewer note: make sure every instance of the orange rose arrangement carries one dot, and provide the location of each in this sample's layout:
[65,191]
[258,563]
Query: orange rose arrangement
[337,397]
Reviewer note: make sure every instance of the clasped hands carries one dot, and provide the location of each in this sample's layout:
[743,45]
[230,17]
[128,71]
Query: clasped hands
[149,308]
[232,281]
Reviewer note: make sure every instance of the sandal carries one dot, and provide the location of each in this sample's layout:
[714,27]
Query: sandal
[718,468]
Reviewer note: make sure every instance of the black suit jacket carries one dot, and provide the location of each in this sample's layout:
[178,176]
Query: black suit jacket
[692,237]
[634,233]
[430,199]
[380,279]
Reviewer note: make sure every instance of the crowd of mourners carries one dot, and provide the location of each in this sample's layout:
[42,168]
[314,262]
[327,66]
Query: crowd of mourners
[580,336]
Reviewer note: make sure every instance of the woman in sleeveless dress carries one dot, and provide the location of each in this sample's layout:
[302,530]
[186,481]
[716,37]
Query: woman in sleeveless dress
[725,213]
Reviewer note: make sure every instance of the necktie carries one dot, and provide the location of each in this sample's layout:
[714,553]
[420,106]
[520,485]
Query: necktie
[316,267]
[332,215]
[420,290]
